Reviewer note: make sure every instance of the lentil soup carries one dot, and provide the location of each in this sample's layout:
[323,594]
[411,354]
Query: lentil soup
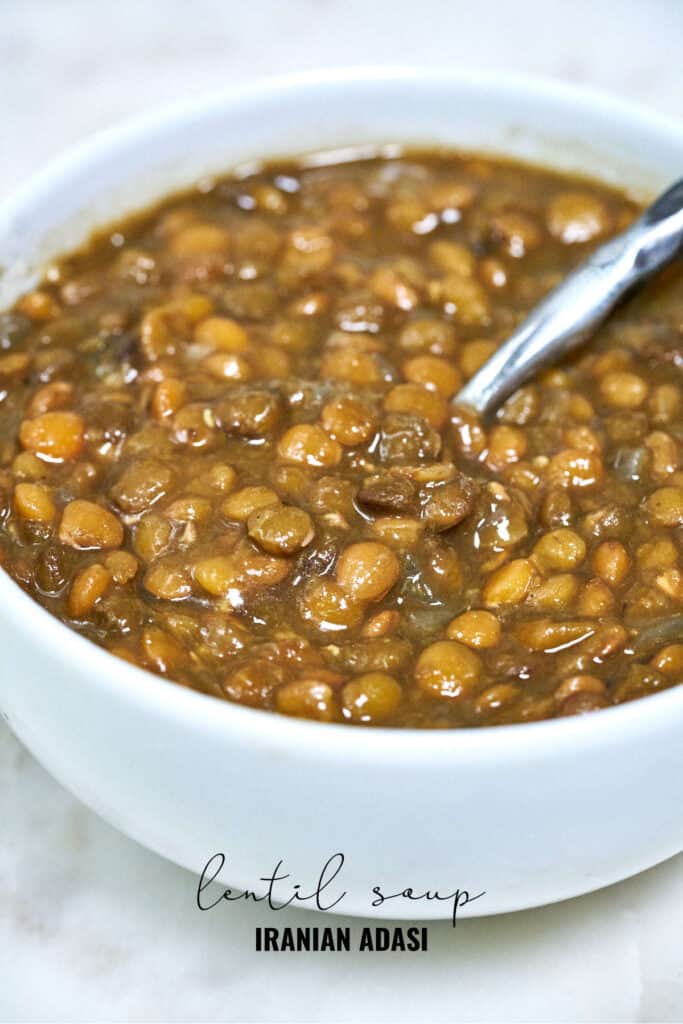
[227,452]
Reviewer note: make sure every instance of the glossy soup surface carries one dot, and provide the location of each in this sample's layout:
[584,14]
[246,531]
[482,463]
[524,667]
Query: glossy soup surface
[227,452]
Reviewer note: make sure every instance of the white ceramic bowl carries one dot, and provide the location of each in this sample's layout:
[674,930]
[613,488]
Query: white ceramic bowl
[530,813]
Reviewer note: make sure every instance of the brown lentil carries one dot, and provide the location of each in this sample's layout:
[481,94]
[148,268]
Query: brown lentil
[611,562]
[86,525]
[245,502]
[448,670]
[349,420]
[509,584]
[309,445]
[280,529]
[367,571]
[560,549]
[434,373]
[414,399]
[306,698]
[161,651]
[478,629]
[88,587]
[56,436]
[34,502]
[371,698]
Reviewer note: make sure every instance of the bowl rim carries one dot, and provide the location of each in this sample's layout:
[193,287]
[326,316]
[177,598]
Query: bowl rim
[124,681]
[161,117]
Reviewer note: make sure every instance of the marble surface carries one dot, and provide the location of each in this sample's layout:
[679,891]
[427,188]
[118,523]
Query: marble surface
[93,927]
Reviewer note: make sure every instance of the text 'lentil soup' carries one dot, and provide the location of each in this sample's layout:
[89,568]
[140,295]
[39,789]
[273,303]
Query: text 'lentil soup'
[227,452]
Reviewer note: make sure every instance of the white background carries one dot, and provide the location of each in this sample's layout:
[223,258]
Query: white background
[92,927]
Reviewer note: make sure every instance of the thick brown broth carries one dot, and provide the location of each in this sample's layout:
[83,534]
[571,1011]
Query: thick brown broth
[227,452]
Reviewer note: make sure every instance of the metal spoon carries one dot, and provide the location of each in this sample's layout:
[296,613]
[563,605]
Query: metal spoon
[573,310]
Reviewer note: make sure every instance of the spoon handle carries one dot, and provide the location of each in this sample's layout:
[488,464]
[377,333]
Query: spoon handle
[573,310]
